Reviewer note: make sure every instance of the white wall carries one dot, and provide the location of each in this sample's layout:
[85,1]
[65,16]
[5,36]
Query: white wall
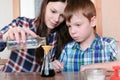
[6,15]
[6,12]
[27,8]
[111,18]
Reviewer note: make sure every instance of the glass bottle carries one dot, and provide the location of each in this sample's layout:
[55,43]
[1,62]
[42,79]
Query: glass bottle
[47,69]
[31,42]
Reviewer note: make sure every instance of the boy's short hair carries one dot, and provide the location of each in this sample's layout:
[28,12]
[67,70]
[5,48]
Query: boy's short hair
[75,6]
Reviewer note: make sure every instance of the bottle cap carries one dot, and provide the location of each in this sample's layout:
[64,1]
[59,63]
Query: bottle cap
[116,75]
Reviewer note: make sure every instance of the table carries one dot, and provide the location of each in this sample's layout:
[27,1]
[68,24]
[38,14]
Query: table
[36,76]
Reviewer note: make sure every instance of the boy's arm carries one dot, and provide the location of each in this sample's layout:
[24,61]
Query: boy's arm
[107,65]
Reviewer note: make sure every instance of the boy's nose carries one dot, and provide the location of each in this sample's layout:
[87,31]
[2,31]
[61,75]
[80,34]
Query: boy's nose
[72,31]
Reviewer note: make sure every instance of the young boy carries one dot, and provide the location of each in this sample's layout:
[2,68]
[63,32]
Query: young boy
[87,46]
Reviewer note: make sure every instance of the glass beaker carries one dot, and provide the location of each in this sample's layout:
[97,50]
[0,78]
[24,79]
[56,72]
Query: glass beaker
[47,69]
[95,74]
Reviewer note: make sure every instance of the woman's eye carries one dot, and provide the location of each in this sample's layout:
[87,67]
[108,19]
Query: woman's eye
[68,26]
[62,16]
[53,11]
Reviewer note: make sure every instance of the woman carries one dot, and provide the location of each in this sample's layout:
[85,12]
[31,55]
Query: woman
[50,24]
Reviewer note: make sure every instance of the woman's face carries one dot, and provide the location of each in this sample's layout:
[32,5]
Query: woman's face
[54,14]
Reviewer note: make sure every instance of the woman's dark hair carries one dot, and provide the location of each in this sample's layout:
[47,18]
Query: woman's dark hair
[62,35]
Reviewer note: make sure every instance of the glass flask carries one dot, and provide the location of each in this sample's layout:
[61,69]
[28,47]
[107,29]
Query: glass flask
[47,69]
[31,43]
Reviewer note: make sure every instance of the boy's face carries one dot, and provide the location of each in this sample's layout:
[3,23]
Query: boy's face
[80,28]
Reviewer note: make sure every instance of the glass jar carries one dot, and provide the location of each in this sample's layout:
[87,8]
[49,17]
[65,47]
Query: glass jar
[95,74]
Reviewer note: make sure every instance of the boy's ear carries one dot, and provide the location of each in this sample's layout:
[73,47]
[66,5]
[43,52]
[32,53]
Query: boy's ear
[93,21]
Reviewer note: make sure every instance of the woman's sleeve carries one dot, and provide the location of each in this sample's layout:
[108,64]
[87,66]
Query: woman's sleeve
[18,22]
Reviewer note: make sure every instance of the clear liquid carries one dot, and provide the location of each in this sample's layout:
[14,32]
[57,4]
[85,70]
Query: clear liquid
[31,43]
[96,77]
[95,74]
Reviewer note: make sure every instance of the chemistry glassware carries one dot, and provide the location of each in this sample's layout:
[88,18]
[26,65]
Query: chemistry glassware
[95,74]
[47,69]
[31,42]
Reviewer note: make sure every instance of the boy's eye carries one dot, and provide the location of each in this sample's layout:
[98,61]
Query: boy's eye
[77,24]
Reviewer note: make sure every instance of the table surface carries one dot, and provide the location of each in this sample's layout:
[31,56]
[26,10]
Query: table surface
[36,76]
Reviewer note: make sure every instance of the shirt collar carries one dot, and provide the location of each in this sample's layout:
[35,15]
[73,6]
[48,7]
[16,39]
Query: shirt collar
[92,46]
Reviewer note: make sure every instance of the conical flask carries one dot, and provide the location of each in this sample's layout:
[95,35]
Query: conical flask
[47,69]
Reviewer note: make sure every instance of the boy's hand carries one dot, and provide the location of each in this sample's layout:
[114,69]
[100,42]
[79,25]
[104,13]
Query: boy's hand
[58,66]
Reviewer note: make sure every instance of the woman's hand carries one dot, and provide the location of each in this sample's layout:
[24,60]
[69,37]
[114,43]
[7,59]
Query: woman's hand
[58,66]
[18,34]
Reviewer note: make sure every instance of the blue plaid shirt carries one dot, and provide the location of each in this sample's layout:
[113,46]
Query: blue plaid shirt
[101,50]
[23,61]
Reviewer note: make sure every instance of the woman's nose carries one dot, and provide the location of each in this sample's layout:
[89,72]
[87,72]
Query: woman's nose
[56,18]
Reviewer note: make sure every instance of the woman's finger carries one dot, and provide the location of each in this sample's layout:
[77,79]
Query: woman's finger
[30,32]
[22,34]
